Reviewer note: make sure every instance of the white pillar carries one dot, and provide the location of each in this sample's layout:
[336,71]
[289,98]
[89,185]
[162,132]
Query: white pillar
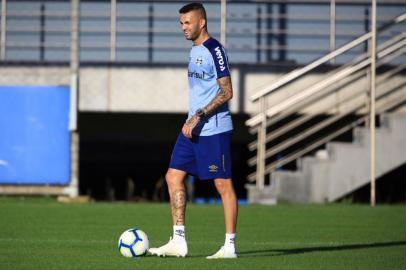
[113,30]
[223,26]
[73,189]
[372,107]
[74,64]
[3,30]
[332,28]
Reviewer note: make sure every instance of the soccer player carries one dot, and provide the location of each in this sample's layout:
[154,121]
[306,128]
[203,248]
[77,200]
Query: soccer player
[203,145]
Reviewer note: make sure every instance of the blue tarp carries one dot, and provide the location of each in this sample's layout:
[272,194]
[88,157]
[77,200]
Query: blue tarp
[34,135]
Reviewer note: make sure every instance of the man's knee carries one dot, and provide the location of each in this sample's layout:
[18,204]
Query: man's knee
[224,186]
[174,177]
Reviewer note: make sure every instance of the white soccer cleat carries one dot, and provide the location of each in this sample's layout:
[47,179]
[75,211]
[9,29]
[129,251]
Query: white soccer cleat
[172,248]
[223,254]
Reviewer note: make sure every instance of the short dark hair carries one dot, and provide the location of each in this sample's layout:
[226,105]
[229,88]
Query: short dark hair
[194,6]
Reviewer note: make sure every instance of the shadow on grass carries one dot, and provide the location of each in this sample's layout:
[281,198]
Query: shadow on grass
[292,251]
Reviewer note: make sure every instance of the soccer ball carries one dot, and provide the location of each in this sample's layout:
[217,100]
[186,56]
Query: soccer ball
[133,243]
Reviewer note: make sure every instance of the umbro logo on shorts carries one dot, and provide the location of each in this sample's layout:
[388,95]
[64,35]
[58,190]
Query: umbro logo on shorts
[213,168]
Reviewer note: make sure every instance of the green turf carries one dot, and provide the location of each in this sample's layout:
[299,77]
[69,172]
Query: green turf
[43,234]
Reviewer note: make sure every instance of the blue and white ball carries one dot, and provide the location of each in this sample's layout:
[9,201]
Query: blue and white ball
[133,243]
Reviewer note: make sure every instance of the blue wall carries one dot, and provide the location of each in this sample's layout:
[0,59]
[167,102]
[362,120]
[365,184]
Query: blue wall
[34,135]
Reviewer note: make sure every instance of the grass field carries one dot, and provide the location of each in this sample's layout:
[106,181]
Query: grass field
[44,234]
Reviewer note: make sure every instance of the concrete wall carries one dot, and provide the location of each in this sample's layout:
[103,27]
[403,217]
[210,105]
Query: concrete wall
[34,75]
[164,89]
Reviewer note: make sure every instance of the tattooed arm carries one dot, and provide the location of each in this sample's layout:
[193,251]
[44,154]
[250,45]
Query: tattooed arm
[224,95]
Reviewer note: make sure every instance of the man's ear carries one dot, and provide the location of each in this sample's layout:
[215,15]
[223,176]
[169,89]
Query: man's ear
[202,23]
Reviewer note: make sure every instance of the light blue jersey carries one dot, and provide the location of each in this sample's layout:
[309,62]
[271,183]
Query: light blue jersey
[207,63]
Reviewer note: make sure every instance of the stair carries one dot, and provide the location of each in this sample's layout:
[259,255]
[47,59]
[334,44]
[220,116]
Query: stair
[344,167]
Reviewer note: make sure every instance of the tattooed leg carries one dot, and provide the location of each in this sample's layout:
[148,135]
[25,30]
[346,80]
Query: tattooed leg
[178,205]
[177,192]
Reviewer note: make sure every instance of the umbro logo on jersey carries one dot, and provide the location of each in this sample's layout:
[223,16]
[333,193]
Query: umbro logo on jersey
[220,58]
[199,61]
[213,168]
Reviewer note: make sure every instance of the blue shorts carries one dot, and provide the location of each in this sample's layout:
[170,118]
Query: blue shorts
[207,157]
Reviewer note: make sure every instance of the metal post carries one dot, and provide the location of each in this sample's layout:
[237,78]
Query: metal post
[223,26]
[367,23]
[73,189]
[333,43]
[113,30]
[150,32]
[259,20]
[3,30]
[332,28]
[113,46]
[282,25]
[74,63]
[74,86]
[367,49]
[42,33]
[372,108]
[368,101]
[269,29]
[261,147]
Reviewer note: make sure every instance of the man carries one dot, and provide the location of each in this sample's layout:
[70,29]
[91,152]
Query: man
[203,145]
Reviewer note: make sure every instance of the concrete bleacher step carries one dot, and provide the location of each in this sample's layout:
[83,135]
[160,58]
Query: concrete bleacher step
[362,135]
[266,195]
[344,167]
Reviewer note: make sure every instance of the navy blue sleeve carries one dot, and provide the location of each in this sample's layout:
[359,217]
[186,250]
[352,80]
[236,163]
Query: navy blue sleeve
[219,57]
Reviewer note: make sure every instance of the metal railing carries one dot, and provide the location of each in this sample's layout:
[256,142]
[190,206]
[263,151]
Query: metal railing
[271,156]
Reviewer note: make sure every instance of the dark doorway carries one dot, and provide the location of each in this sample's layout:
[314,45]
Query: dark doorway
[124,156]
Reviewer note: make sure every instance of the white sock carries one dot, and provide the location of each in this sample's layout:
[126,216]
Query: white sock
[229,243]
[179,233]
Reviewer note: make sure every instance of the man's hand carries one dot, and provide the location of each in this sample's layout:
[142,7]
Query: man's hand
[190,125]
